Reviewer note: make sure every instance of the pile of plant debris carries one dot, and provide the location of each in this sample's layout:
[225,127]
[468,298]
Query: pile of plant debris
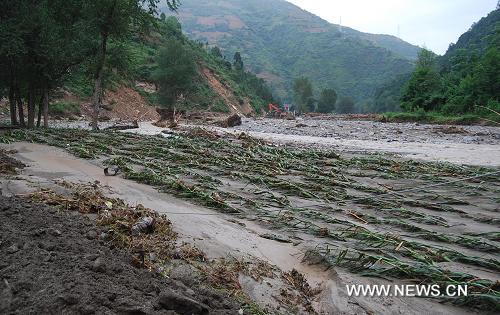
[9,165]
[152,243]
[141,230]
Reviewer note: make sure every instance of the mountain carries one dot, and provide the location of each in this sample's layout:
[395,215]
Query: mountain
[466,80]
[467,74]
[280,42]
[475,41]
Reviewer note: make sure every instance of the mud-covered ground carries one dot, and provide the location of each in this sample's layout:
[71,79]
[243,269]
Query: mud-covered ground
[398,220]
[469,145]
[54,262]
[375,131]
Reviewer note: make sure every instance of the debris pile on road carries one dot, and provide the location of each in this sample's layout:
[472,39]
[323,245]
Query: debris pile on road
[9,165]
[129,227]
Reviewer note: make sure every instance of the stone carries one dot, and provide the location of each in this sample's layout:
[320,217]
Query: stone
[170,300]
[55,232]
[99,265]
[12,249]
[91,235]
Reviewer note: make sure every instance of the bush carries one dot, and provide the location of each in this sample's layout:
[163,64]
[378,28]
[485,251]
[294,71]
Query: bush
[220,106]
[64,108]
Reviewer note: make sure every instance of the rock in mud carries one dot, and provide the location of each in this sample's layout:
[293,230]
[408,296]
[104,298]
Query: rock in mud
[170,300]
[99,265]
[144,225]
[55,232]
[13,249]
[231,121]
[91,235]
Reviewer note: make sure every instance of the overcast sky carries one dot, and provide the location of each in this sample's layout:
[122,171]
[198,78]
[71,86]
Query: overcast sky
[433,23]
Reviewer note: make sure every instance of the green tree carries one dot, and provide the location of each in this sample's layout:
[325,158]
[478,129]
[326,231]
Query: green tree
[216,52]
[487,77]
[302,94]
[345,105]
[40,42]
[175,72]
[424,89]
[426,59]
[327,100]
[12,52]
[237,61]
[116,19]
[173,28]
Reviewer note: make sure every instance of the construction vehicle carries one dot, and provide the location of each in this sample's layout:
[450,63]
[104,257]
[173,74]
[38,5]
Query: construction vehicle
[274,111]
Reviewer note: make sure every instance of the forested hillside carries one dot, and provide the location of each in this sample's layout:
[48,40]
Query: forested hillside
[139,59]
[465,80]
[280,42]
[89,48]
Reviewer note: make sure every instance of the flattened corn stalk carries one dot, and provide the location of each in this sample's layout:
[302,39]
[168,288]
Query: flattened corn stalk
[196,166]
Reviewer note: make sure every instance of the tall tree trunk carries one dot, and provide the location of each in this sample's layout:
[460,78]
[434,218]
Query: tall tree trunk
[12,104]
[39,118]
[31,106]
[19,101]
[97,95]
[45,110]
[12,95]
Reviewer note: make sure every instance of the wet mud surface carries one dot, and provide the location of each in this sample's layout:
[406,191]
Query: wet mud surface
[54,262]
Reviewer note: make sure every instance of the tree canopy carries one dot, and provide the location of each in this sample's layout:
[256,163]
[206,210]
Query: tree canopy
[424,88]
[327,100]
[466,79]
[175,72]
[303,94]
[42,41]
[345,105]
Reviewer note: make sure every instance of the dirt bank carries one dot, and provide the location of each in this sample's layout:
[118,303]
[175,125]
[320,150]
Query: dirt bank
[53,262]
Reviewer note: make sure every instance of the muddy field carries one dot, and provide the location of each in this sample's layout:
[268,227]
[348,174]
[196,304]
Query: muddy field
[468,145]
[365,218]
[57,262]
